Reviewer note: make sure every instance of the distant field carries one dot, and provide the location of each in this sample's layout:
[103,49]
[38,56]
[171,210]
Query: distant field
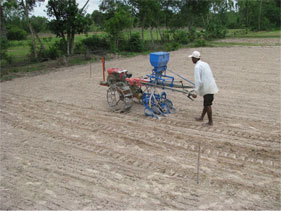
[19,50]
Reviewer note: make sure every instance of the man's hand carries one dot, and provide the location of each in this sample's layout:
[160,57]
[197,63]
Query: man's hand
[194,95]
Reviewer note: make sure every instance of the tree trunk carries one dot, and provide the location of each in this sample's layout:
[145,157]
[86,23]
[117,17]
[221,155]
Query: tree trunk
[151,35]
[260,15]
[30,28]
[68,44]
[157,33]
[117,43]
[72,43]
[203,21]
[161,35]
[42,47]
[142,29]
[247,17]
[2,26]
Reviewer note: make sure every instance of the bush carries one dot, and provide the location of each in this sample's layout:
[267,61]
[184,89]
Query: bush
[172,46]
[47,39]
[96,42]
[200,42]
[166,37]
[56,50]
[192,34]
[16,33]
[53,52]
[135,43]
[3,52]
[80,48]
[181,37]
[215,30]
[122,43]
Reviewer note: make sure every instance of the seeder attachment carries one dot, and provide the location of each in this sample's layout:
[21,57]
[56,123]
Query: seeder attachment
[156,104]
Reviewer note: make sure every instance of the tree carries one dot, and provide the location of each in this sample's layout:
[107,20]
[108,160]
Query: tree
[5,9]
[98,18]
[120,21]
[69,20]
[39,24]
[190,11]
[146,11]
[259,14]
[27,6]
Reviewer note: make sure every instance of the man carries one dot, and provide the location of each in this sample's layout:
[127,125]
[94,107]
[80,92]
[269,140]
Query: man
[205,85]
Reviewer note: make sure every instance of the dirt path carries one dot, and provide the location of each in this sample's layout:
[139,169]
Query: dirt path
[62,148]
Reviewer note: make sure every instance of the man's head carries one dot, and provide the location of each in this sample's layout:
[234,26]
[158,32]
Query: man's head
[195,56]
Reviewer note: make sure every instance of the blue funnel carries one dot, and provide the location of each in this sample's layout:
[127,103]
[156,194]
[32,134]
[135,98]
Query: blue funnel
[159,61]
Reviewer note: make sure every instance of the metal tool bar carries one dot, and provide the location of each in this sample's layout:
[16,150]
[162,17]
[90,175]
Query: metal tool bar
[165,87]
[181,77]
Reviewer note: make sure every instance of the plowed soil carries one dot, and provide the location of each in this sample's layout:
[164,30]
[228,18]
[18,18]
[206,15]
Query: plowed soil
[63,148]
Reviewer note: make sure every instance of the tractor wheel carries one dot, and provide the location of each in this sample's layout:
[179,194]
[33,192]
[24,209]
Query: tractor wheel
[119,97]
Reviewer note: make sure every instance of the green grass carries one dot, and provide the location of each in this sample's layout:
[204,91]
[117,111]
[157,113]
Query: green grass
[78,61]
[229,44]
[241,33]
[146,34]
[18,51]
[13,72]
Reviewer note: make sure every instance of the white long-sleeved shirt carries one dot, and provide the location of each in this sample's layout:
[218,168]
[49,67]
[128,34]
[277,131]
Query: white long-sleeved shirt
[204,79]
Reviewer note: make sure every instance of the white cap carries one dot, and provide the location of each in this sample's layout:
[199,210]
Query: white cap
[195,54]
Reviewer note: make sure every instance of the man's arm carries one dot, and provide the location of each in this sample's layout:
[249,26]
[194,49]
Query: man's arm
[197,78]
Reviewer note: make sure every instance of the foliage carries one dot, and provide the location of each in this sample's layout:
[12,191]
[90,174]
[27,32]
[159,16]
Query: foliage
[54,51]
[16,33]
[95,43]
[172,46]
[189,11]
[181,37]
[215,30]
[135,43]
[259,14]
[39,24]
[232,20]
[3,51]
[200,41]
[80,48]
[192,34]
[98,19]
[114,26]
[69,20]
[166,36]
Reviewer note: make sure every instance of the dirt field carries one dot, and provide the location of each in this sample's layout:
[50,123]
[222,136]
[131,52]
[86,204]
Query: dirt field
[62,148]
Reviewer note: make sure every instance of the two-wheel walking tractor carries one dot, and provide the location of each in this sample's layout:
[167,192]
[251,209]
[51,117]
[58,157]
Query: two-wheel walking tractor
[149,90]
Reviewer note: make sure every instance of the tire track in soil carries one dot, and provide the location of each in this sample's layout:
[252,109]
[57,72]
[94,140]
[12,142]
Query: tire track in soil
[225,154]
[61,170]
[37,112]
[233,156]
[176,123]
